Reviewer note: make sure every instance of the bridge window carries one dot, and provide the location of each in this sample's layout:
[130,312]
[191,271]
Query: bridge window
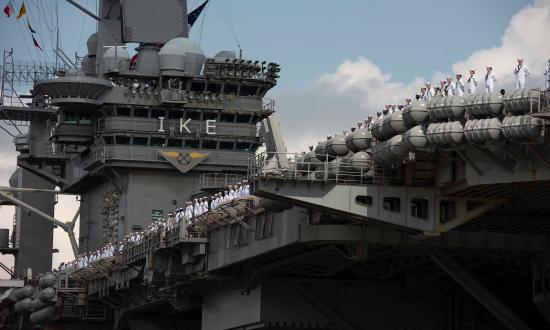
[124,140]
[214,88]
[243,118]
[363,200]
[197,87]
[392,204]
[248,90]
[175,114]
[69,117]
[193,115]
[108,139]
[155,113]
[139,141]
[209,144]
[230,89]
[158,142]
[243,146]
[227,145]
[192,144]
[210,115]
[227,118]
[175,143]
[419,208]
[108,110]
[85,119]
[123,111]
[447,211]
[141,112]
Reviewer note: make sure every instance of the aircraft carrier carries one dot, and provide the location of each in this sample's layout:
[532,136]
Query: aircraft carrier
[430,217]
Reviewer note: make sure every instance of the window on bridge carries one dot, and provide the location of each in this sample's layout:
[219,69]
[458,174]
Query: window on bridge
[392,204]
[363,200]
[419,208]
[447,211]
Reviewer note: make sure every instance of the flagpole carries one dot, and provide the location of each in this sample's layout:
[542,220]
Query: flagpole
[57,35]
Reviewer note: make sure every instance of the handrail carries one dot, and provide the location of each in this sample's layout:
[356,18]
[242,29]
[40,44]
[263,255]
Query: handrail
[323,169]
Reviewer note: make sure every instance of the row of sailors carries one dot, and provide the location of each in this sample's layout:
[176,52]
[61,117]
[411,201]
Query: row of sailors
[449,87]
[87,258]
[202,205]
[459,87]
[192,210]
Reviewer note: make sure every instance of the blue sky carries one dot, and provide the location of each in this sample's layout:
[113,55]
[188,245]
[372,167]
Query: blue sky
[311,37]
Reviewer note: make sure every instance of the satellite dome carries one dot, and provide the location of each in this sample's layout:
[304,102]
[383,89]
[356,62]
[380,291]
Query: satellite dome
[181,55]
[115,57]
[92,44]
[225,55]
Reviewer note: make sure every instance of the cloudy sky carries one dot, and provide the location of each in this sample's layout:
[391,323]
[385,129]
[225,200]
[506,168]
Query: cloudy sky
[341,60]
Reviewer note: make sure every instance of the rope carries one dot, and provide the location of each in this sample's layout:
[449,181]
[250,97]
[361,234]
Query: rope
[228,20]
[82,28]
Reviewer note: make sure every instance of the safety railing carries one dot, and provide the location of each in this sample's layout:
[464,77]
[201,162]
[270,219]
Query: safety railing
[210,181]
[324,168]
[166,235]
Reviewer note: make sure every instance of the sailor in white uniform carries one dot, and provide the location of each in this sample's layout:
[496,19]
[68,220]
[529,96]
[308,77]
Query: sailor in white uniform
[490,79]
[247,187]
[472,82]
[449,86]
[423,94]
[226,196]
[521,71]
[188,210]
[547,76]
[204,205]
[459,85]
[430,90]
[196,208]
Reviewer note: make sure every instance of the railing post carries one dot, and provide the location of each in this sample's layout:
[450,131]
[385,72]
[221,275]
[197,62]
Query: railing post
[295,165]
[337,167]
[326,167]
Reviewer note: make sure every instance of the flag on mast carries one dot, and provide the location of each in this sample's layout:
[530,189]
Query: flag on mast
[30,27]
[35,42]
[8,10]
[192,16]
[22,11]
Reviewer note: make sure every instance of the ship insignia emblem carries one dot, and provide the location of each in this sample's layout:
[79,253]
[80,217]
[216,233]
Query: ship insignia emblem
[183,161]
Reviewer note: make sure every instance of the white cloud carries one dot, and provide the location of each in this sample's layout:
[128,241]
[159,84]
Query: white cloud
[524,37]
[359,87]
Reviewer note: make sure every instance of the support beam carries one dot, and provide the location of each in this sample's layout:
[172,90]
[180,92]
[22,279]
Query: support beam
[477,290]
[84,10]
[65,226]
